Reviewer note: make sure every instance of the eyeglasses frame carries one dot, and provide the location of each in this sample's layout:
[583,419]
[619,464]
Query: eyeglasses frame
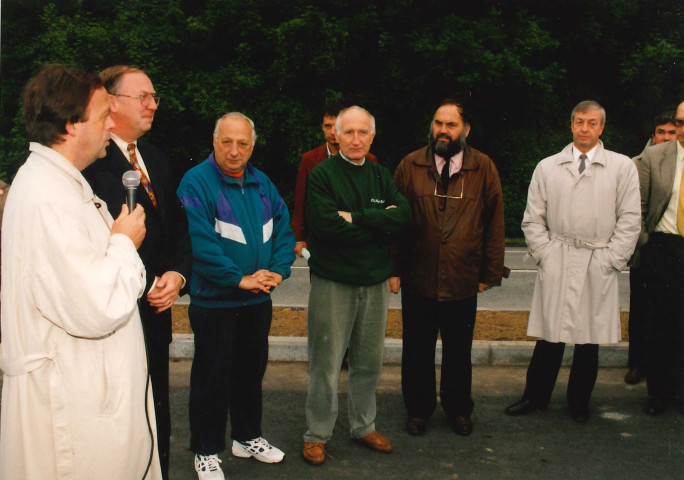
[156,98]
[450,196]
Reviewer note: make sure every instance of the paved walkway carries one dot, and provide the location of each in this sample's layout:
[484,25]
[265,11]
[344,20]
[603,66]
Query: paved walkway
[619,441]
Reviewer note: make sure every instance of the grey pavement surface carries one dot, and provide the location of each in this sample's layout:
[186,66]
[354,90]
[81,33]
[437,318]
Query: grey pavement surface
[514,294]
[619,441]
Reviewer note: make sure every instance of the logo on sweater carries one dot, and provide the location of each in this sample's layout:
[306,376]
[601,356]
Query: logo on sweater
[377,200]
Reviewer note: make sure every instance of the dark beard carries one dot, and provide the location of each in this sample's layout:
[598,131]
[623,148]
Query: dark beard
[451,148]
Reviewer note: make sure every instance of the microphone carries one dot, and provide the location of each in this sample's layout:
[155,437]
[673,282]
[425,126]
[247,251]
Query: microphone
[130,180]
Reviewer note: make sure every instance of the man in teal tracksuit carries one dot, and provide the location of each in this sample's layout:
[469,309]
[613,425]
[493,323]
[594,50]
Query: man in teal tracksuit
[242,248]
[353,210]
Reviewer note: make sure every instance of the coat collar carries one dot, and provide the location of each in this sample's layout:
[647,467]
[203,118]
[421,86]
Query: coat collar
[60,162]
[566,155]
[250,172]
[667,158]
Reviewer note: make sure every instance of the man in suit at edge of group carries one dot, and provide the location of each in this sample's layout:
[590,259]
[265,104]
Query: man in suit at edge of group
[166,251]
[661,245]
[663,130]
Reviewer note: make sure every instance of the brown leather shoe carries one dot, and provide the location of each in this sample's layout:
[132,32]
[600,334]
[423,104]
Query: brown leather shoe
[463,425]
[314,452]
[376,442]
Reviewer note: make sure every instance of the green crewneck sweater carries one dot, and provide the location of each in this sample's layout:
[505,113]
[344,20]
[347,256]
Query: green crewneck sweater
[356,253]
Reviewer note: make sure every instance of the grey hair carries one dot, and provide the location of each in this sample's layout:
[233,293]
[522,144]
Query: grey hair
[235,115]
[587,105]
[356,108]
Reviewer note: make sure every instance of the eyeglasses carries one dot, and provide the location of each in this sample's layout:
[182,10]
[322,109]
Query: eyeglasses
[678,122]
[144,97]
[449,196]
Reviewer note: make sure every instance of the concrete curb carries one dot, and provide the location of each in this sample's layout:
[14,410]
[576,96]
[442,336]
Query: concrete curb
[294,349]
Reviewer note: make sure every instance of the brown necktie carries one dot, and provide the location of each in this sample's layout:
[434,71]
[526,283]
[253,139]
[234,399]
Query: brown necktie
[143,178]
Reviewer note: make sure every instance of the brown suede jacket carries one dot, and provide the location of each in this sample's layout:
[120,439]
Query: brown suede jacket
[454,244]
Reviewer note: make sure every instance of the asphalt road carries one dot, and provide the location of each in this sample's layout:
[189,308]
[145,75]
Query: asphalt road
[619,441]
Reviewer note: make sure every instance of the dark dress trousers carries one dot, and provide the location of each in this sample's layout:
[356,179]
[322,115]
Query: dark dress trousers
[166,247]
[662,260]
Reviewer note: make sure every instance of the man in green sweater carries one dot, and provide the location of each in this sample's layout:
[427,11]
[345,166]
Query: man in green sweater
[353,212]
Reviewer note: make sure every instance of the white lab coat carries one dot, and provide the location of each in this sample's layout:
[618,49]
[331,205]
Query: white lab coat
[73,356]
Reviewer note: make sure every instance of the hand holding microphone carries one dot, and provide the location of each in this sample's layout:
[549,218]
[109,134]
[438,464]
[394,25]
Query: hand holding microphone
[131,220]
[130,180]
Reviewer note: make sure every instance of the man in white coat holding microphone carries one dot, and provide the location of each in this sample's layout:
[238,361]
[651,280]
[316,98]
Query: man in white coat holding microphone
[74,401]
[581,225]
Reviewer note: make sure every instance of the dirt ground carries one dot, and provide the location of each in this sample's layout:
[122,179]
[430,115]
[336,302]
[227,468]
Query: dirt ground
[489,325]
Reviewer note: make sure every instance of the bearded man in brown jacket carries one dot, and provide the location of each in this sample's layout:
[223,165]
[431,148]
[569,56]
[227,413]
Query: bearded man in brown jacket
[453,251]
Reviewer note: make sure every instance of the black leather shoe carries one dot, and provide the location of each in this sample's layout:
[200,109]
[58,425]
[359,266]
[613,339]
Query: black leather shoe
[655,406]
[523,407]
[634,376]
[462,424]
[415,426]
[580,415]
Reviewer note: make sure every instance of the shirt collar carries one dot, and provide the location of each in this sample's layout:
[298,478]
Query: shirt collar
[455,164]
[353,163]
[123,145]
[590,154]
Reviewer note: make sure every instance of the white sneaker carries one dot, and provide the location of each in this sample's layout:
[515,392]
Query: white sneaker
[207,467]
[258,448]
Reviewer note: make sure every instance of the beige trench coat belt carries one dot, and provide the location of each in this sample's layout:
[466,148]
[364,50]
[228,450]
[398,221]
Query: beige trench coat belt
[58,406]
[577,242]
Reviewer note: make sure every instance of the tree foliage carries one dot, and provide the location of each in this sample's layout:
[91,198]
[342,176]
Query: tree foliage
[521,66]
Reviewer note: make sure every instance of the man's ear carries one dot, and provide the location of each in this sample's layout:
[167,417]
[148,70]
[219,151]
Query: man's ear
[113,103]
[466,130]
[71,128]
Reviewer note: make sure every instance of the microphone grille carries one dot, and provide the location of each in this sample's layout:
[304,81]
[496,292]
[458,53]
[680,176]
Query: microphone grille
[130,178]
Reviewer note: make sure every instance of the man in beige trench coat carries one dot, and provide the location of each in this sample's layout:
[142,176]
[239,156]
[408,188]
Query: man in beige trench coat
[581,224]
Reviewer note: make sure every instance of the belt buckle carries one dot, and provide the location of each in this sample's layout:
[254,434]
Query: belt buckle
[578,243]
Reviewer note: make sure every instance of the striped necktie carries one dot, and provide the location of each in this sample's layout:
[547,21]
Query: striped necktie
[143,178]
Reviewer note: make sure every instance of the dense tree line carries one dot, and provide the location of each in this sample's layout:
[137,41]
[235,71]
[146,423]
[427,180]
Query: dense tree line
[521,65]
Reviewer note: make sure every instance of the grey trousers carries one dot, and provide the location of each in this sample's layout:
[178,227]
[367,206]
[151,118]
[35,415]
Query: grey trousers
[342,315]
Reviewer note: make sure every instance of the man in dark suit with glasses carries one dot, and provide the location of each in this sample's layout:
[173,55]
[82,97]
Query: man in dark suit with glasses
[453,251]
[166,251]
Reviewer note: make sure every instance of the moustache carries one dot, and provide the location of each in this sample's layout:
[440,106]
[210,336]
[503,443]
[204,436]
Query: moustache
[443,135]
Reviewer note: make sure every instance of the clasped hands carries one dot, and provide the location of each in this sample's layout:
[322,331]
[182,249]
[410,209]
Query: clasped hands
[165,291]
[260,281]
